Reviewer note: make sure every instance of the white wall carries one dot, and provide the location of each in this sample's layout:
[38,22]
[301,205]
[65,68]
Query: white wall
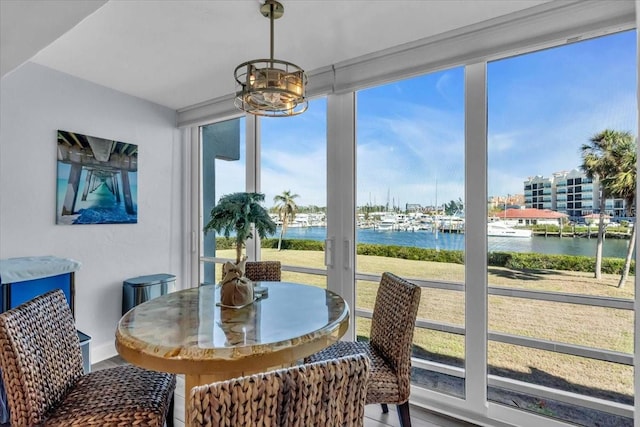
[35,102]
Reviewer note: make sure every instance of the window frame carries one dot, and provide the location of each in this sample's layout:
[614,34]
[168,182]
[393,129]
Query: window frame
[554,25]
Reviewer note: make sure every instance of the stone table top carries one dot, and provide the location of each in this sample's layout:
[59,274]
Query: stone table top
[188,332]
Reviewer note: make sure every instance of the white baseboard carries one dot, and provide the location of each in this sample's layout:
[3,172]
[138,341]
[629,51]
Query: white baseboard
[102,352]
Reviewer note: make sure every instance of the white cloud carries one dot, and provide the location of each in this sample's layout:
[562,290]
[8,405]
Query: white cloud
[502,142]
[537,123]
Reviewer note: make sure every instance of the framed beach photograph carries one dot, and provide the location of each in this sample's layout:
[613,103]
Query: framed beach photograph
[97,180]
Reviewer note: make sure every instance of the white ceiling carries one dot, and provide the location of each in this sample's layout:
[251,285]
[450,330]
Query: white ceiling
[179,53]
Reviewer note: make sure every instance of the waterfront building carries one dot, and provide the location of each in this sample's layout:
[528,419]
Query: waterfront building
[616,208]
[504,202]
[538,192]
[571,193]
[576,194]
[531,216]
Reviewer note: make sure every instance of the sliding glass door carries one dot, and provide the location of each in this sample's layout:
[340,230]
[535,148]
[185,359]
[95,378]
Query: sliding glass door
[560,339]
[411,213]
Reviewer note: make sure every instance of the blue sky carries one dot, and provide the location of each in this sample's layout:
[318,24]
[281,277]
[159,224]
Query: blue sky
[542,107]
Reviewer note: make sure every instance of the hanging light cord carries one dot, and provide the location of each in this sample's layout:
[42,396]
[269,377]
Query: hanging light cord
[271,6]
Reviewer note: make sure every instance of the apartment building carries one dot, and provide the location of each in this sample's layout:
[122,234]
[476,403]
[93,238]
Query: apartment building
[539,192]
[569,192]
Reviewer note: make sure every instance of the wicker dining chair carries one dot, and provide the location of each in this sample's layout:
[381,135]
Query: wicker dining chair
[389,347]
[41,364]
[262,271]
[329,393]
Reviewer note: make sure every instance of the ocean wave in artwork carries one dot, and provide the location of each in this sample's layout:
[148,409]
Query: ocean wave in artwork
[105,216]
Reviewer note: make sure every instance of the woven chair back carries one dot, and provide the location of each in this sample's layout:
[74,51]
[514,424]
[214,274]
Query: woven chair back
[393,323]
[40,356]
[328,393]
[263,271]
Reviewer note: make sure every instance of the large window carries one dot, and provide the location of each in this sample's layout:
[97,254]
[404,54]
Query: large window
[293,166]
[467,178]
[410,210]
[553,326]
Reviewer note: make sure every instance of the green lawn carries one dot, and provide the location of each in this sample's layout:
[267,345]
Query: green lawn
[604,328]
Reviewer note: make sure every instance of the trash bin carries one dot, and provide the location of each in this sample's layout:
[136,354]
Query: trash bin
[143,288]
[86,354]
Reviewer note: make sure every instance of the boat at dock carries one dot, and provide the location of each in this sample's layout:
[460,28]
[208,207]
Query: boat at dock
[450,224]
[388,223]
[500,229]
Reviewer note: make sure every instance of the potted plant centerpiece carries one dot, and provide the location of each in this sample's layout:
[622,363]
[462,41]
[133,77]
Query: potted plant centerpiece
[239,214]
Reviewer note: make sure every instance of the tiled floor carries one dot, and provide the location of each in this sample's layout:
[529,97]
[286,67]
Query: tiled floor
[373,413]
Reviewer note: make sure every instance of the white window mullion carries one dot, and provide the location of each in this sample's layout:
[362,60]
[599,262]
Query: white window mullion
[341,195]
[192,210]
[476,237]
[636,338]
[252,127]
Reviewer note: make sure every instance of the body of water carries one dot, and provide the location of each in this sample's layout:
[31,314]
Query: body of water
[613,248]
[101,206]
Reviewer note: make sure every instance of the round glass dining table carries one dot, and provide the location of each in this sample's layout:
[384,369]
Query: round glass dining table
[188,332]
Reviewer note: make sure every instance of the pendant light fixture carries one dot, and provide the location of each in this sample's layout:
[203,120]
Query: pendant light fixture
[271,87]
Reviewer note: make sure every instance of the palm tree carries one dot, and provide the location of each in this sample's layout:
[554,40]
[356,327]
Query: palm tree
[622,185]
[600,161]
[287,209]
[235,213]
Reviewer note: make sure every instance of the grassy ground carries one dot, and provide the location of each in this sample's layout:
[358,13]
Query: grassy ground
[604,328]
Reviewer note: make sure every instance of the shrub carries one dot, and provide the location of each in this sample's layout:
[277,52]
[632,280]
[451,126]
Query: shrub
[535,261]
[294,244]
[411,253]
[513,260]
[225,243]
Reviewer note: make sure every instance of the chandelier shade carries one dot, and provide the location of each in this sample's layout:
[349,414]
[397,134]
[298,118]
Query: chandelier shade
[271,87]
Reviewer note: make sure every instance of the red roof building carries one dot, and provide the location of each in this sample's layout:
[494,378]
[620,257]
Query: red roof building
[531,216]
